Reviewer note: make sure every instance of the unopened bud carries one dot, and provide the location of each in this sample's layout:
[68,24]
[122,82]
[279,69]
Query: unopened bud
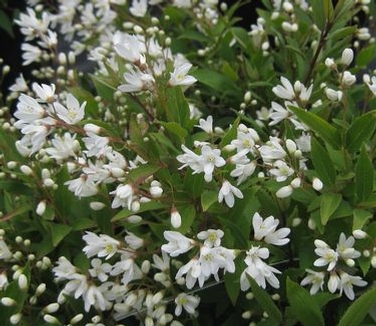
[40,289]
[41,208]
[317,184]
[347,56]
[22,282]
[15,319]
[284,192]
[8,302]
[76,319]
[51,319]
[96,205]
[52,307]
[359,234]
[26,170]
[175,218]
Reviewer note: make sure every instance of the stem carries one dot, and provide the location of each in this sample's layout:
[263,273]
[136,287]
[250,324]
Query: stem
[322,40]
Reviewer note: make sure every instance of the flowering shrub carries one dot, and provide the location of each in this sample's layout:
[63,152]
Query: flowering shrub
[165,166]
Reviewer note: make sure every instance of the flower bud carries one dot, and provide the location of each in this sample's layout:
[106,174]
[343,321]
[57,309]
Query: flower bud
[51,319]
[359,234]
[296,183]
[41,208]
[348,78]
[317,184]
[291,146]
[247,314]
[90,127]
[76,319]
[134,219]
[22,282]
[347,56]
[97,205]
[373,261]
[8,302]
[329,62]
[145,266]
[135,206]
[333,95]
[158,297]
[284,192]
[15,319]
[175,218]
[40,289]
[247,97]
[25,169]
[52,307]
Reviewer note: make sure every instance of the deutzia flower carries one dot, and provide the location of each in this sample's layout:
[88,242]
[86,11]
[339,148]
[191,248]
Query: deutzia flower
[258,269]
[206,125]
[314,278]
[177,243]
[345,249]
[44,92]
[212,238]
[266,229]
[179,75]
[347,282]
[227,192]
[136,81]
[186,301]
[327,255]
[83,186]
[372,85]
[99,270]
[5,253]
[93,296]
[209,159]
[139,8]
[129,47]
[28,109]
[281,170]
[101,246]
[73,112]
[123,196]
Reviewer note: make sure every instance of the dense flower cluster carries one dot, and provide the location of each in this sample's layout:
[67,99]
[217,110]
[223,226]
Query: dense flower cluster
[161,162]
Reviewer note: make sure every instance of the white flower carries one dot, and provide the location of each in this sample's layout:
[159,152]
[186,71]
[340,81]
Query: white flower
[347,282]
[345,249]
[186,301]
[123,196]
[372,85]
[314,278]
[284,192]
[333,95]
[129,47]
[243,171]
[317,184]
[266,229]
[101,246]
[99,270]
[128,268]
[63,147]
[227,192]
[281,170]
[30,54]
[28,109]
[258,269]
[44,92]
[334,282]
[348,78]
[5,253]
[212,238]
[209,159]
[272,150]
[139,8]
[284,91]
[64,269]
[206,125]
[93,296]
[73,112]
[179,75]
[83,186]
[278,113]
[177,243]
[136,81]
[327,255]
[134,241]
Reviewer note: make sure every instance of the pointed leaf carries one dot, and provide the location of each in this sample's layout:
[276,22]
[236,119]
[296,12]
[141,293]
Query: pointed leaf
[360,217]
[320,126]
[363,176]
[303,305]
[359,309]
[328,204]
[360,131]
[208,198]
[322,163]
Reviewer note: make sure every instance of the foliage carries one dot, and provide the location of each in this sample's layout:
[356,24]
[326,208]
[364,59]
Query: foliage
[167,166]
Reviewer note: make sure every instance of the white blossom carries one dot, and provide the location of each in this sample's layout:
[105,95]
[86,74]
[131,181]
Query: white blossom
[228,192]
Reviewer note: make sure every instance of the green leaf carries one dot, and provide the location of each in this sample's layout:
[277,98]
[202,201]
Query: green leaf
[16,187]
[174,128]
[328,205]
[363,176]
[360,131]
[215,80]
[359,309]
[318,14]
[208,198]
[341,33]
[188,214]
[360,217]
[142,172]
[320,126]
[58,231]
[6,23]
[265,301]
[232,283]
[176,106]
[303,305]
[322,163]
